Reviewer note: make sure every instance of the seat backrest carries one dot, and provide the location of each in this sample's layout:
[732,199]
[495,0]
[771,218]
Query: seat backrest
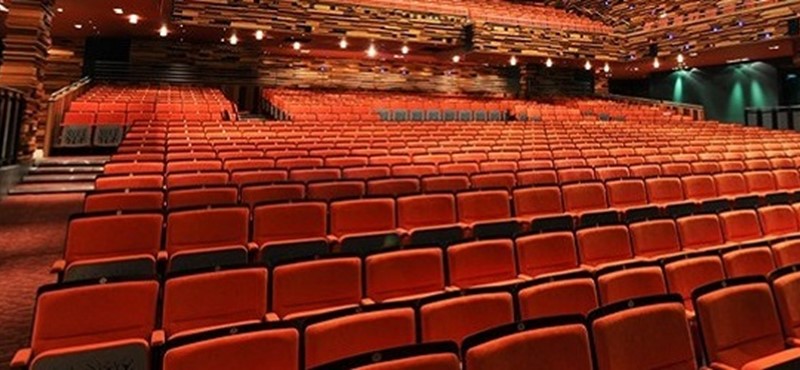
[546,253]
[740,226]
[571,294]
[460,316]
[787,179]
[271,349]
[433,356]
[778,220]
[335,190]
[760,181]
[426,211]
[295,286]
[786,286]
[528,345]
[97,237]
[757,329]
[748,262]
[214,299]
[571,175]
[665,190]
[129,182]
[255,194]
[481,262]
[499,180]
[538,201]
[584,197]
[113,201]
[393,187]
[604,244]
[664,322]
[626,193]
[362,216]
[119,311]
[616,285]
[207,228]
[291,221]
[445,184]
[730,184]
[687,274]
[483,206]
[349,335]
[676,169]
[699,187]
[700,232]
[202,197]
[404,274]
[655,238]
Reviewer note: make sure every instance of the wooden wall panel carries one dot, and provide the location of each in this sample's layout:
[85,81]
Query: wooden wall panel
[64,63]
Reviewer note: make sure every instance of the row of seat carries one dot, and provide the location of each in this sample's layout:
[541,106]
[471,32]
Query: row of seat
[482,323]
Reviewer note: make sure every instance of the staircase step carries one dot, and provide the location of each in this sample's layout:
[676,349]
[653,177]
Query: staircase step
[72,161]
[59,178]
[52,188]
[53,170]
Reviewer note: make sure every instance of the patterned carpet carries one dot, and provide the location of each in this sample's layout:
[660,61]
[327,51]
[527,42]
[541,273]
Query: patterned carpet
[32,230]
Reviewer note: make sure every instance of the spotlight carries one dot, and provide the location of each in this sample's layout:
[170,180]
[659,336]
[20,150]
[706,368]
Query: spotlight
[234,39]
[606,68]
[681,59]
[163,31]
[372,52]
[133,19]
[297,45]
[259,35]
[548,63]
[405,50]
[118,11]
[513,61]
[588,65]
[656,63]
[456,58]
[78,26]
[343,43]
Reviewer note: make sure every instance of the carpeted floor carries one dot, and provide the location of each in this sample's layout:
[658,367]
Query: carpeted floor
[32,230]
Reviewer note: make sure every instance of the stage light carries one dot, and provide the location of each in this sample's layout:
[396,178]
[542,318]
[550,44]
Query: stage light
[656,63]
[405,50]
[118,11]
[588,65]
[606,68]
[371,51]
[548,63]
[234,39]
[133,19]
[259,35]
[297,45]
[456,58]
[343,43]
[513,61]
[681,59]
[163,31]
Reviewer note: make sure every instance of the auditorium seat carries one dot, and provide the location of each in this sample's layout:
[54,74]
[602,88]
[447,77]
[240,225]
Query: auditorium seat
[748,261]
[487,213]
[701,232]
[482,263]
[660,319]
[430,219]
[572,293]
[133,168]
[778,221]
[393,187]
[256,194]
[786,286]
[290,230]
[111,246]
[120,329]
[450,184]
[546,253]
[429,356]
[668,194]
[742,227]
[686,273]
[294,292]
[203,301]
[629,281]
[366,173]
[261,176]
[248,347]
[540,206]
[557,343]
[202,197]
[757,342]
[335,190]
[587,203]
[604,245]
[338,336]
[404,275]
[177,180]
[364,225]
[455,316]
[654,239]
[202,238]
[116,201]
[629,197]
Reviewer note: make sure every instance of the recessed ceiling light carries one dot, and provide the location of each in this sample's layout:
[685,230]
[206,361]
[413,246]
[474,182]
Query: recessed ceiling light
[456,58]
[3,8]
[512,61]
[163,31]
[234,39]
[118,11]
[343,43]
[60,10]
[372,52]
[259,35]
[405,50]
[133,19]
[297,45]
[588,65]
[606,68]
[548,63]
[78,26]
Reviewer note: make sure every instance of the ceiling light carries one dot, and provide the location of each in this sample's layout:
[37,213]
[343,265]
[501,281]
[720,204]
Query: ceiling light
[681,59]
[588,65]
[405,49]
[259,35]
[60,10]
[548,63]
[343,43]
[118,11]
[297,45]
[456,58]
[78,26]
[371,51]
[234,39]
[513,60]
[606,68]
[4,9]
[656,63]
[133,19]
[163,31]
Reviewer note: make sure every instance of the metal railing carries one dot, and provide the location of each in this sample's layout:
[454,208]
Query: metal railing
[696,112]
[12,112]
[774,118]
[57,105]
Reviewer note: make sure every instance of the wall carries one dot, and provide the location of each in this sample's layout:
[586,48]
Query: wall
[64,63]
[724,91]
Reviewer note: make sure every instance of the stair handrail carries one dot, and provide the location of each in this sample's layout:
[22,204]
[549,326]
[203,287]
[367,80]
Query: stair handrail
[57,105]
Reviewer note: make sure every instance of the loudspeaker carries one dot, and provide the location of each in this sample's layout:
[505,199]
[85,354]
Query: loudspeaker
[653,51]
[794,27]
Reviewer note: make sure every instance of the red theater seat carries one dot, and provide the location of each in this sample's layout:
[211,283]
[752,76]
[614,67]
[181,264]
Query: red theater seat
[295,290]
[546,253]
[564,294]
[454,317]
[404,275]
[207,238]
[365,224]
[482,263]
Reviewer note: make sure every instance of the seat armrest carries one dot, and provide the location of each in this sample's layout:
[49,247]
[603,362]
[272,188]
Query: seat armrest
[271,317]
[793,342]
[367,302]
[58,266]
[525,277]
[22,359]
[158,338]
[252,247]
[451,288]
[332,239]
[720,366]
[162,256]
